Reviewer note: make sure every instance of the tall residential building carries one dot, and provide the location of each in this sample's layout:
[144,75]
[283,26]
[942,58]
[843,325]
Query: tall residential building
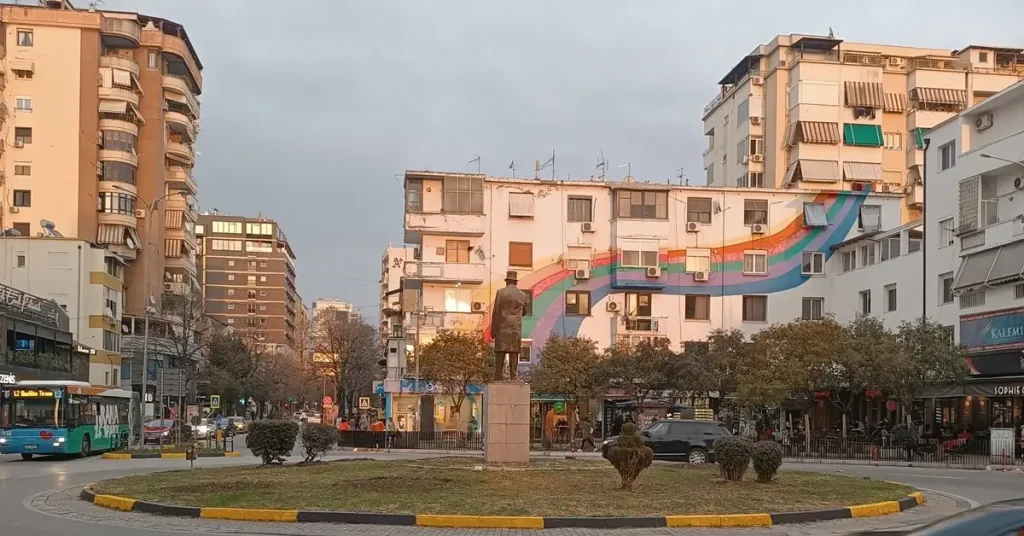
[820,113]
[101,115]
[247,272]
[344,310]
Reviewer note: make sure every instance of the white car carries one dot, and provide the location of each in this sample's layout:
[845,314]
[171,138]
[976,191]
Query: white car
[203,429]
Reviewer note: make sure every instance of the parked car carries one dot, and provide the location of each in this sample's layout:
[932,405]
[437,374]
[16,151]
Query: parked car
[239,424]
[313,418]
[202,429]
[679,440]
[997,519]
[167,429]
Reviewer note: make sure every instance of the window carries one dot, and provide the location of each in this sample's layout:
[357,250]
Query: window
[250,308]
[525,351]
[26,38]
[870,218]
[231,306]
[890,247]
[23,135]
[578,258]
[251,280]
[464,195]
[813,309]
[21,261]
[914,240]
[116,203]
[639,253]
[528,308]
[520,254]
[755,308]
[226,245]
[23,198]
[698,209]
[698,260]
[119,141]
[23,104]
[520,204]
[231,321]
[756,146]
[580,209]
[867,255]
[974,298]
[814,215]
[250,294]
[263,307]
[893,141]
[577,303]
[263,321]
[231,227]
[754,179]
[947,156]
[755,262]
[231,277]
[697,307]
[23,170]
[154,60]
[259,246]
[890,297]
[634,204]
[755,211]
[414,196]
[865,302]
[24,229]
[22,74]
[265,229]
[458,300]
[262,293]
[114,268]
[263,279]
[263,264]
[813,263]
[231,292]
[741,149]
[118,171]
[111,341]
[946,234]
[456,251]
[638,304]
[849,260]
[743,112]
[252,264]
[946,287]
[111,300]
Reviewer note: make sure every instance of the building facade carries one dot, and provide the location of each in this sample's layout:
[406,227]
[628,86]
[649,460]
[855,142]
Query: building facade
[37,341]
[345,311]
[247,273]
[104,114]
[392,271]
[821,113]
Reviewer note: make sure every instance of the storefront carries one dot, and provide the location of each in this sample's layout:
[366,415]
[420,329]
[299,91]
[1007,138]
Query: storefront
[551,419]
[37,342]
[436,407]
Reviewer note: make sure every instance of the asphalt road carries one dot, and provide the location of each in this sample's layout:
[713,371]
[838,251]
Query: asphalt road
[21,481]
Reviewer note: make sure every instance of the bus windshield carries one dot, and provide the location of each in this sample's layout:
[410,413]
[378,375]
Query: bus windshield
[25,413]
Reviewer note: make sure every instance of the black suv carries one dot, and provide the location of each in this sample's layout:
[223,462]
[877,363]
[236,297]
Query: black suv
[679,440]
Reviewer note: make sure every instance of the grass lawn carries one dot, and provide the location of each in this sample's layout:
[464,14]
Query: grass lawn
[451,486]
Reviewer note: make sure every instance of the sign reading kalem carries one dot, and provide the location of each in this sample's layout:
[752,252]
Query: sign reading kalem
[995,330]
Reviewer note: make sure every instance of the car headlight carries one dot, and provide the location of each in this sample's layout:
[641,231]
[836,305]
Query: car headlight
[60,439]
[166,432]
[606,442]
[3,440]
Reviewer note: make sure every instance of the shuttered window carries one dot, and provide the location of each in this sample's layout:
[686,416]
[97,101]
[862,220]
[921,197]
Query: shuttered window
[520,254]
[520,205]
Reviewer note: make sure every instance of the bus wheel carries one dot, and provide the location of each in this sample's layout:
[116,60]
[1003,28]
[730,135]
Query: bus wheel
[26,456]
[86,447]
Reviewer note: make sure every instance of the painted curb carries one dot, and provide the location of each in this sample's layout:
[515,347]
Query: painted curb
[127,504]
[167,455]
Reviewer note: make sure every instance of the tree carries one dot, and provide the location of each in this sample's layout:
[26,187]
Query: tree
[862,364]
[180,332]
[787,361]
[642,370]
[345,348]
[926,355]
[455,360]
[569,366]
[711,366]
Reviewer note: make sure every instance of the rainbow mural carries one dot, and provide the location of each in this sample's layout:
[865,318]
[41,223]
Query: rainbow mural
[607,276]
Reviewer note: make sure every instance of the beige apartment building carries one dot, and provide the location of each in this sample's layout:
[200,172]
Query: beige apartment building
[100,116]
[820,113]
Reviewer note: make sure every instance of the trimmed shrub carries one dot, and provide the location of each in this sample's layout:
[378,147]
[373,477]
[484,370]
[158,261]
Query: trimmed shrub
[630,456]
[767,460]
[733,456]
[272,440]
[317,439]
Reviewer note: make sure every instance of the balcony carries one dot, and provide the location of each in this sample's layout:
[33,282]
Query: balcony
[179,123]
[119,94]
[120,33]
[119,124]
[915,195]
[180,178]
[184,263]
[446,272]
[178,84]
[432,321]
[180,152]
[115,155]
[418,224]
[925,119]
[120,62]
[937,64]
[643,324]
[112,218]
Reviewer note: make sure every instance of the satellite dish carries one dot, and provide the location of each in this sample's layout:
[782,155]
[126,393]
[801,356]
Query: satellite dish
[124,328]
[129,242]
[49,229]
[12,232]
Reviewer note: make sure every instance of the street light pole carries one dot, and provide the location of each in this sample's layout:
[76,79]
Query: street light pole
[1001,159]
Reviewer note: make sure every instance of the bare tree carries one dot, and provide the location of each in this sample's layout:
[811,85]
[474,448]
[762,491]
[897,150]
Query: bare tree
[345,350]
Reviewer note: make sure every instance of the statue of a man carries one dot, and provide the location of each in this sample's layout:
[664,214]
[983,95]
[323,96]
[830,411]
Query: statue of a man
[507,327]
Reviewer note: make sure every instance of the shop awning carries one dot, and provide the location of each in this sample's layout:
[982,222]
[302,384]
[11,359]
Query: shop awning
[113,107]
[813,171]
[862,171]
[174,219]
[895,102]
[859,135]
[864,94]
[991,267]
[934,95]
[818,132]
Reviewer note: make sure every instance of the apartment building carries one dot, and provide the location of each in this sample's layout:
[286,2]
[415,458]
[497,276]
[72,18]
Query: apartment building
[86,281]
[247,275]
[101,113]
[392,270]
[820,113]
[343,310]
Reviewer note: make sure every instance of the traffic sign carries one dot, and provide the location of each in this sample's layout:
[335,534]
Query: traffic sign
[214,401]
[364,402]
[328,401]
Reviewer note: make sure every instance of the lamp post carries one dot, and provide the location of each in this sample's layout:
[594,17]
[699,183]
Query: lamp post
[1001,159]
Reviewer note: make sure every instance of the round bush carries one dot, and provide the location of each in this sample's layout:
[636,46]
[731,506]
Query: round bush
[317,439]
[630,456]
[272,440]
[733,456]
[767,460]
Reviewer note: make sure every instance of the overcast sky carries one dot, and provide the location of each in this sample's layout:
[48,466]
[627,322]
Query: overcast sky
[311,108]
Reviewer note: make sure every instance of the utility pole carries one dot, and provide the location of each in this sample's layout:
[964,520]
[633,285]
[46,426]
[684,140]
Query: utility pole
[416,356]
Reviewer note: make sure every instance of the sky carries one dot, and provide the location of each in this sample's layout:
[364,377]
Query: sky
[312,110]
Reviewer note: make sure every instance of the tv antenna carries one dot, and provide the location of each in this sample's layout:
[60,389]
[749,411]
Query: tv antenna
[681,175]
[602,165]
[629,171]
[477,162]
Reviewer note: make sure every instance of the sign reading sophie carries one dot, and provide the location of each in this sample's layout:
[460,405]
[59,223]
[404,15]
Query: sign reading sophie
[996,330]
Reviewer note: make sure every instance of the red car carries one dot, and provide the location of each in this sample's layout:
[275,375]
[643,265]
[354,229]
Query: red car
[167,429]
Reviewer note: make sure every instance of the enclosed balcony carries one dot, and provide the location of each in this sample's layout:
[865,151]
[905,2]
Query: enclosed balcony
[120,33]
[180,152]
[123,63]
[446,272]
[179,122]
[180,178]
[178,85]
[119,155]
[418,224]
[119,94]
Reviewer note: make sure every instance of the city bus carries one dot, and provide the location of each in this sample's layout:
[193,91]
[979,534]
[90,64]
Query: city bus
[65,417]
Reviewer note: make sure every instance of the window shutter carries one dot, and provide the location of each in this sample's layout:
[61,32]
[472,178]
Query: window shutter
[520,254]
[520,204]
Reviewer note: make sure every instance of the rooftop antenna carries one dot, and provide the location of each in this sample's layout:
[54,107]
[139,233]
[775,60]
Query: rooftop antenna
[549,163]
[602,165]
[477,160]
[831,34]
[681,175]
[629,171]
[512,166]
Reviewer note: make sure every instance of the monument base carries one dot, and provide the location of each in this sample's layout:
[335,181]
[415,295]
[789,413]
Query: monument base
[507,422]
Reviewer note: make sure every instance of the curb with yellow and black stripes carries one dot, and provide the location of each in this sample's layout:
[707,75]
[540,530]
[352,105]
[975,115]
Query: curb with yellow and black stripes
[502,522]
[172,455]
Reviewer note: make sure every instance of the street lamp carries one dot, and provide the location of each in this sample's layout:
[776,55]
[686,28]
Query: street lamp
[1001,159]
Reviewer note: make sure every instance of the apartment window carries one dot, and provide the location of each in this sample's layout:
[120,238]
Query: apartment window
[252,265]
[982,57]
[231,321]
[755,211]
[24,229]
[263,307]
[946,232]
[520,204]
[742,112]
[23,198]
[815,215]
[231,277]
[741,149]
[228,227]
[974,298]
[698,209]
[755,308]
[263,321]
[263,279]
[577,303]
[865,302]
[116,203]
[250,294]
[698,260]
[114,268]
[946,287]
[23,104]
[755,262]
[22,260]
[893,141]
[23,170]
[639,253]
[635,204]
[23,135]
[414,196]
[458,300]
[813,263]
[849,260]
[231,292]
[1018,291]
[890,297]
[263,264]
[251,322]
[890,247]
[464,195]
[755,179]
[250,280]
[118,171]
[528,308]
[118,140]
[525,351]
[813,309]
[580,209]
[250,308]
[262,293]
[231,306]
[870,218]
[22,74]
[947,156]
[756,146]
[26,38]
[226,245]
[638,304]
[154,60]
[520,254]
[456,251]
[111,341]
[259,246]
[265,229]
[697,307]
[914,240]
[867,255]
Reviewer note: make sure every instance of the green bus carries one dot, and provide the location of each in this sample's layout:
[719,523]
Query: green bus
[65,417]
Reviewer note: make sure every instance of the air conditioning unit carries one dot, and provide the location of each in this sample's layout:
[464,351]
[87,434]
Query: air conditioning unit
[654,271]
[582,273]
[612,307]
[744,160]
[757,157]
[15,210]
[782,63]
[1018,182]
[167,286]
[99,170]
[886,188]
[700,276]
[895,60]
[479,307]
[692,227]
[140,213]
[755,120]
[758,228]
[99,138]
[587,227]
[19,144]
[757,80]
[983,122]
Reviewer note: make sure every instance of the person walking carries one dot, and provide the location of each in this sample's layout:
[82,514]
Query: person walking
[389,434]
[588,435]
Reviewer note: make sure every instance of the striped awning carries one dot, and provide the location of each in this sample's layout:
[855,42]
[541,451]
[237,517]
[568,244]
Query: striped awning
[138,115]
[864,94]
[178,158]
[113,107]
[172,247]
[819,132]
[934,95]
[174,219]
[110,234]
[895,102]
[862,171]
[813,171]
[22,65]
[122,78]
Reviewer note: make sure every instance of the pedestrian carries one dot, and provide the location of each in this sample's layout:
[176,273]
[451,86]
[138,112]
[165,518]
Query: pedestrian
[389,433]
[470,428]
[588,435]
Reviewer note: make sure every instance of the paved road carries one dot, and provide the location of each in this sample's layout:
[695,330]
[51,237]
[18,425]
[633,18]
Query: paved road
[38,498]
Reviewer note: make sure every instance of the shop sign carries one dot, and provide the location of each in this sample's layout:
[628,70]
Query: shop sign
[1008,390]
[6,378]
[14,300]
[997,330]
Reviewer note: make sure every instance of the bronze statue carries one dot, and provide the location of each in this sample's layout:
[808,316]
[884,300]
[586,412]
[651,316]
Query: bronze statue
[507,327]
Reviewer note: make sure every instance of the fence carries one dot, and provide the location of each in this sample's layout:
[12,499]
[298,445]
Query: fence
[952,452]
[448,441]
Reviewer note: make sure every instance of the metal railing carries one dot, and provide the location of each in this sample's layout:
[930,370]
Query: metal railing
[438,440]
[970,452]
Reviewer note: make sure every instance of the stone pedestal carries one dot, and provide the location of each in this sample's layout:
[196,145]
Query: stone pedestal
[507,422]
